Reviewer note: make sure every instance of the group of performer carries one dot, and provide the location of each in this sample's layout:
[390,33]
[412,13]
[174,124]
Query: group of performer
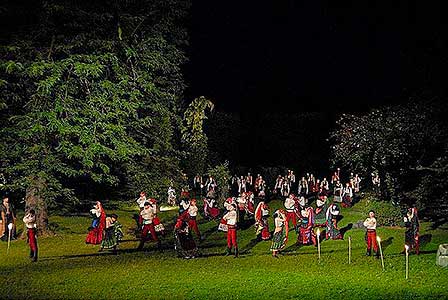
[305,218]
[248,199]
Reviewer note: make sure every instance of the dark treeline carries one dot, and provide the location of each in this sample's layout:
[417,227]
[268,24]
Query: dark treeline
[254,140]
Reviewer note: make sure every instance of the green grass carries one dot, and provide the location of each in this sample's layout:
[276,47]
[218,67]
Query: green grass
[70,269]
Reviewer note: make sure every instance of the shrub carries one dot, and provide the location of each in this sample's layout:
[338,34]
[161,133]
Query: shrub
[386,213]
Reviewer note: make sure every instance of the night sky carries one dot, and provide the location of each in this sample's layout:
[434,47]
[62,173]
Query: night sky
[293,56]
[326,57]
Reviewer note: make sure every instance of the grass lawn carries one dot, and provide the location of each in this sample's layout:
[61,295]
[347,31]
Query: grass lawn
[70,269]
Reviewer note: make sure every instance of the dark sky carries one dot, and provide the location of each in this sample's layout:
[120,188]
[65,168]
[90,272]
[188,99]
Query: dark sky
[313,55]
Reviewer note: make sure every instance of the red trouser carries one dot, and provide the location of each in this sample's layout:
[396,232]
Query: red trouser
[192,224]
[231,237]
[371,240]
[291,215]
[32,239]
[150,228]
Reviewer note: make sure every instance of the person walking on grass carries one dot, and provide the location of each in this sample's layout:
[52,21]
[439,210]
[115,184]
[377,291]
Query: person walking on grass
[370,224]
[31,232]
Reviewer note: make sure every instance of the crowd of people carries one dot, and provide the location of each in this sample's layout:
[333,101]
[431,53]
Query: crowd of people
[307,210]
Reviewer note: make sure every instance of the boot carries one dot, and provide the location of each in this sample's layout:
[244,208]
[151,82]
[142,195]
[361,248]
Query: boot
[236,252]
[31,253]
[34,259]
[377,255]
[369,252]
[229,250]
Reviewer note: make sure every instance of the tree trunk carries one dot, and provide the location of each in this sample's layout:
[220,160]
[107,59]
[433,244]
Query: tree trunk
[34,200]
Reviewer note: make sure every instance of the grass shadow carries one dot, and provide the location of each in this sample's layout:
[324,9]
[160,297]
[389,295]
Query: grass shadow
[387,243]
[343,230]
[250,245]
[425,239]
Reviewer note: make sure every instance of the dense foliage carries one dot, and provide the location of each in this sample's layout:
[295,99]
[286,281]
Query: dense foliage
[96,98]
[407,145]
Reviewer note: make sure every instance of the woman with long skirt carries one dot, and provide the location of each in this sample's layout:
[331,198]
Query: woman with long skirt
[280,236]
[113,234]
[261,221]
[184,242]
[95,235]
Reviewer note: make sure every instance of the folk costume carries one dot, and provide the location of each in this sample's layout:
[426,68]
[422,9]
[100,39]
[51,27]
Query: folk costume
[242,206]
[347,196]
[198,185]
[291,211]
[141,203]
[261,221]
[306,233]
[331,216]
[234,187]
[95,213]
[95,235]
[412,224]
[285,188]
[337,192]
[183,205]
[242,186]
[210,211]
[325,186]
[250,204]
[370,224]
[171,196]
[158,226]
[280,236]
[8,215]
[230,219]
[278,185]
[148,226]
[192,214]
[303,187]
[356,181]
[249,183]
[31,232]
[321,209]
[185,245]
[113,233]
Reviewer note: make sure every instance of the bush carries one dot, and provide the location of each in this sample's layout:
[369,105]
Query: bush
[386,213]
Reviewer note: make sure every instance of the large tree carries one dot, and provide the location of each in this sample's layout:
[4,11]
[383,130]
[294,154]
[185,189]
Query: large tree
[406,144]
[91,93]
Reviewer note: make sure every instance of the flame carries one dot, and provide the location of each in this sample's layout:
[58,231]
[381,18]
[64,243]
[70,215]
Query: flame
[10,226]
[318,232]
[378,239]
[407,247]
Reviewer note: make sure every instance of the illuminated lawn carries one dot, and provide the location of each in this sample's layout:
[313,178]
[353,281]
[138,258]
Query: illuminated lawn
[70,269]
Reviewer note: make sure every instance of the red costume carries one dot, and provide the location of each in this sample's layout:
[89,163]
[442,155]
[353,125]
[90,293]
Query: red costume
[95,235]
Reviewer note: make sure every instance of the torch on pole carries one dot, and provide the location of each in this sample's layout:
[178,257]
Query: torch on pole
[9,236]
[381,251]
[318,242]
